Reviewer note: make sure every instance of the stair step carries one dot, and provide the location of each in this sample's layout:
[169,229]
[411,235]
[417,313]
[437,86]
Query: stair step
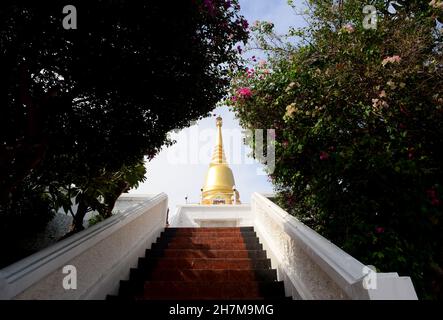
[208,240]
[130,288]
[201,289]
[221,229]
[208,290]
[269,275]
[212,246]
[206,253]
[193,234]
[201,263]
[204,264]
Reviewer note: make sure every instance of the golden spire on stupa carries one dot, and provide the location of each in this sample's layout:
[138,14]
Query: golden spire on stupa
[219,187]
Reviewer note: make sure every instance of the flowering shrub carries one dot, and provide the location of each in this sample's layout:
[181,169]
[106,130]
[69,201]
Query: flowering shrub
[359,134]
[244,92]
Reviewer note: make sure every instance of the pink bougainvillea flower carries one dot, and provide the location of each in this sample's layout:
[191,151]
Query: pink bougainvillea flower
[403,110]
[437,4]
[411,153]
[234,98]
[431,193]
[244,92]
[324,155]
[290,110]
[348,28]
[393,59]
[245,24]
[379,230]
[210,7]
[262,63]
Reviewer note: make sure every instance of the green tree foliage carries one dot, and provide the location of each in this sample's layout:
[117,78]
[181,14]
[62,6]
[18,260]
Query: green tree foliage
[82,108]
[359,137]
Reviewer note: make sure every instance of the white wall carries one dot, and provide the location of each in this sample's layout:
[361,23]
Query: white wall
[194,215]
[314,268]
[102,254]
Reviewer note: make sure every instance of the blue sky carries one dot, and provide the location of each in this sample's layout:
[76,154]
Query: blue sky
[276,11]
[180,170]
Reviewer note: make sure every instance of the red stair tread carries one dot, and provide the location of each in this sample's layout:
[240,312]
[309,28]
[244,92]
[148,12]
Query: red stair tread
[206,240]
[204,275]
[221,229]
[209,234]
[202,263]
[205,253]
[212,246]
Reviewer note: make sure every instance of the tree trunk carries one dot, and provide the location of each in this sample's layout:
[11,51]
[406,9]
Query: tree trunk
[110,200]
[79,216]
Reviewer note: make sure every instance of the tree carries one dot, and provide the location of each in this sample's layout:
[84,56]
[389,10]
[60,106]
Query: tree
[82,106]
[359,137]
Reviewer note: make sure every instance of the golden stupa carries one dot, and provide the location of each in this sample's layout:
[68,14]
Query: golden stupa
[219,187]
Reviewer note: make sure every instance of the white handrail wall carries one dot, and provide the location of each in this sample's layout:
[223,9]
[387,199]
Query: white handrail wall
[314,268]
[102,255]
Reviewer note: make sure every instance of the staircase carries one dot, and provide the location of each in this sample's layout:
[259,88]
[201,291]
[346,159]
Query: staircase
[203,264]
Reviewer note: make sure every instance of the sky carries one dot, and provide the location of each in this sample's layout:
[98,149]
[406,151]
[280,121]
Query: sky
[276,11]
[179,170]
